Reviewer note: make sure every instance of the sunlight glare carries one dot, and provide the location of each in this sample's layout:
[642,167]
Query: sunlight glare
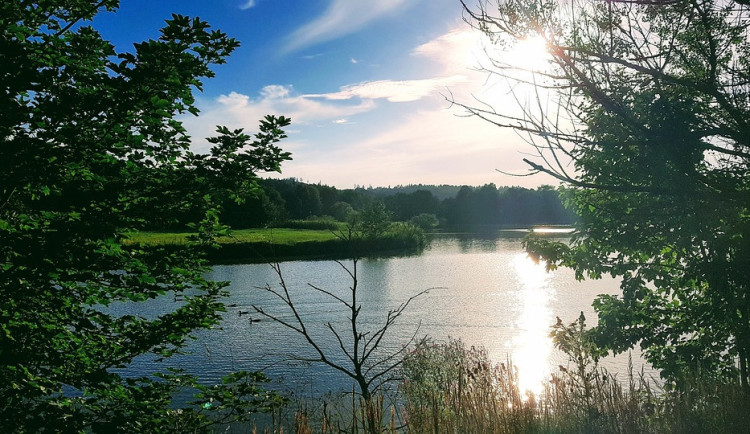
[533,347]
[514,74]
[528,54]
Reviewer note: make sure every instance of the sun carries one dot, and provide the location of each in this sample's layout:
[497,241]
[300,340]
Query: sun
[528,54]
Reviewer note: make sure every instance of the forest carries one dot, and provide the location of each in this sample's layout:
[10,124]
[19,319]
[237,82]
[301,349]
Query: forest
[427,205]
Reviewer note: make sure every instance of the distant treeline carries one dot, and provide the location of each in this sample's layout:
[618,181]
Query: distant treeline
[282,200]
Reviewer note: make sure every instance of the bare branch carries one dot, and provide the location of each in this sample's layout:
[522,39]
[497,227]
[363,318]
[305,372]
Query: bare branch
[364,365]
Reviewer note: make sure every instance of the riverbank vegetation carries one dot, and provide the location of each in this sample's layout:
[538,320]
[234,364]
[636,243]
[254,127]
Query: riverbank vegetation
[367,233]
[289,219]
[280,244]
[447,387]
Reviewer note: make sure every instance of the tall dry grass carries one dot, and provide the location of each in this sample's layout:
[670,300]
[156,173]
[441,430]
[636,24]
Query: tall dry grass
[334,416]
[448,388]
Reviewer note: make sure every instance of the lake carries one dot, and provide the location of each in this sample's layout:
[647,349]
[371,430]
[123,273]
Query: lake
[485,291]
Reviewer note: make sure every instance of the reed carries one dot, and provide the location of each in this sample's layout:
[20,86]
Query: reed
[448,388]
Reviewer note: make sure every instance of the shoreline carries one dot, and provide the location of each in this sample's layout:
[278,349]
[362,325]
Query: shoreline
[264,245]
[276,245]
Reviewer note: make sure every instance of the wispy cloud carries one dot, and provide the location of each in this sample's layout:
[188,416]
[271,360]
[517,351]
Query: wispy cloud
[342,17]
[248,4]
[393,90]
[455,51]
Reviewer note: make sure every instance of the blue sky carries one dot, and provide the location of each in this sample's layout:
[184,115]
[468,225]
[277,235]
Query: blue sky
[364,82]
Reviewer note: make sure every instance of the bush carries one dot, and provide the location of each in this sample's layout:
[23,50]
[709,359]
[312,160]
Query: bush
[425,221]
[409,234]
[341,211]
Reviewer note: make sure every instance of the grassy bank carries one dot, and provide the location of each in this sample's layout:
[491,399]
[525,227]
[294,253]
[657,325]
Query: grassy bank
[278,236]
[276,244]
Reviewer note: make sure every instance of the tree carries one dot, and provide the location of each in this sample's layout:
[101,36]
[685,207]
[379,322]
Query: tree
[341,211]
[373,221]
[305,202]
[425,221]
[90,151]
[650,133]
[473,206]
[360,354]
[408,205]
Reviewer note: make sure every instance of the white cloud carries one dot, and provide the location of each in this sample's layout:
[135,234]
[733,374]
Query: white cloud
[234,99]
[248,4]
[354,61]
[342,17]
[275,91]
[279,99]
[393,90]
[237,110]
[455,51]
[429,145]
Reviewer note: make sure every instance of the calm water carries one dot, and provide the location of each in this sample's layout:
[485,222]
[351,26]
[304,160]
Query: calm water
[486,292]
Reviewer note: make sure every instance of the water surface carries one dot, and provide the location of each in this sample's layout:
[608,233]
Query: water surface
[484,291]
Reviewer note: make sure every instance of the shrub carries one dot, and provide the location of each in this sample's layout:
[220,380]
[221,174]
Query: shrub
[425,221]
[407,233]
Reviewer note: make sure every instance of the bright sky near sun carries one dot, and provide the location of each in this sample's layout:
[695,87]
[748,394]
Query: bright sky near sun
[364,82]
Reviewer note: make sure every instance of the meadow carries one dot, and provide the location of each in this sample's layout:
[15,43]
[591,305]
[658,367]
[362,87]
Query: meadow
[278,236]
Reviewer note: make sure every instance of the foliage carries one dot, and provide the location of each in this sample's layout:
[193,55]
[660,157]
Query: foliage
[259,209]
[285,199]
[373,221]
[408,205]
[276,236]
[144,404]
[514,206]
[90,151]
[425,221]
[341,211]
[406,233]
[652,111]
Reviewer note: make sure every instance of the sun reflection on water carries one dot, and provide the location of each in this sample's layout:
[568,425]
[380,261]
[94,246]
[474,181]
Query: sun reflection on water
[532,347]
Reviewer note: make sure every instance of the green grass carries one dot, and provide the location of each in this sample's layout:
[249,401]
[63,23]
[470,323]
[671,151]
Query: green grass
[277,236]
[280,244]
